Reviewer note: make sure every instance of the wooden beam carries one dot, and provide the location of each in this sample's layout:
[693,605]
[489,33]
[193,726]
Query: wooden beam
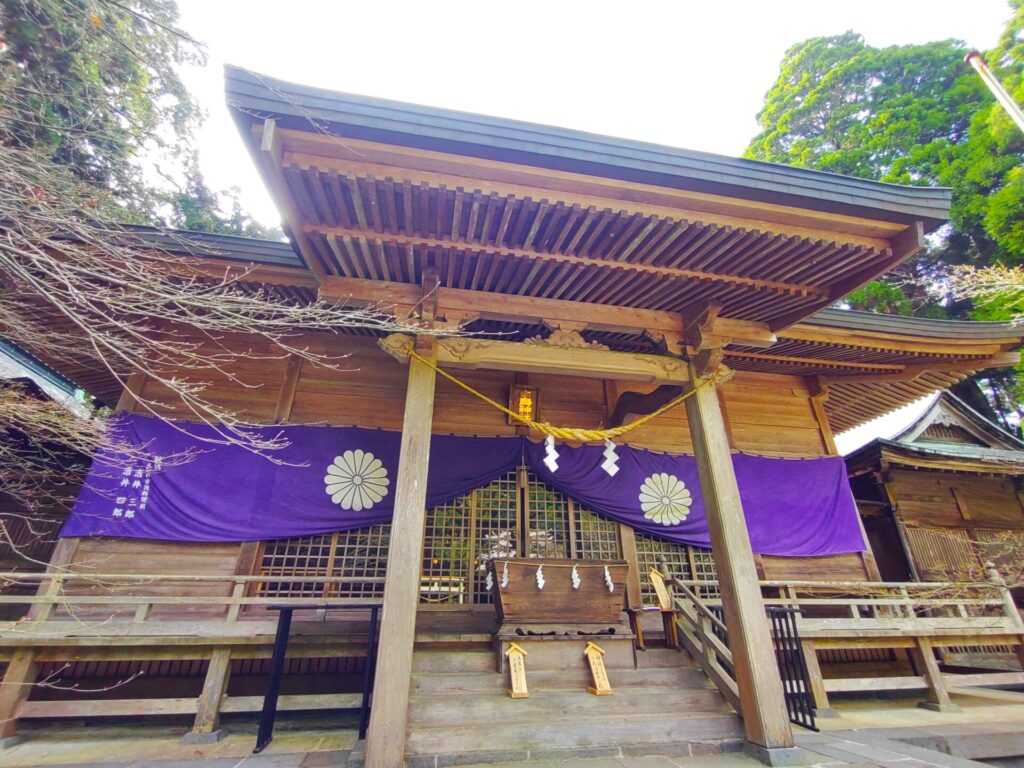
[479,249]
[706,328]
[504,307]
[813,361]
[385,741]
[762,700]
[526,357]
[286,396]
[268,161]
[127,401]
[913,372]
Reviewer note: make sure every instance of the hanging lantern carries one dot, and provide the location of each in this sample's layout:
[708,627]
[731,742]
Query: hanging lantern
[522,400]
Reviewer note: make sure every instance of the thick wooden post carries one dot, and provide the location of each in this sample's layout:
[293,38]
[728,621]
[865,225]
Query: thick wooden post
[937,697]
[757,675]
[385,741]
[14,688]
[204,729]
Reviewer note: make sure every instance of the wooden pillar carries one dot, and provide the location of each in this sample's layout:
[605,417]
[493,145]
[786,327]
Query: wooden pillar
[763,705]
[14,689]
[204,729]
[937,697]
[385,741]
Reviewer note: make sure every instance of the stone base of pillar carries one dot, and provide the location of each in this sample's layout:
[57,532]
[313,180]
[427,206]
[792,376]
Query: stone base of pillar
[780,756]
[932,706]
[826,713]
[209,737]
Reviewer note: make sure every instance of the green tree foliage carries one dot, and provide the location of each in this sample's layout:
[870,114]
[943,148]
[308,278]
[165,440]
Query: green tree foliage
[913,114]
[93,86]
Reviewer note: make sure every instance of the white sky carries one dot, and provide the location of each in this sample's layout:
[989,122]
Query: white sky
[681,73]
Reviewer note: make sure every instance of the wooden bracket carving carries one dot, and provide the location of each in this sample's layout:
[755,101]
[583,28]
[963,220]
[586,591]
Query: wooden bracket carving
[397,345]
[563,339]
[707,361]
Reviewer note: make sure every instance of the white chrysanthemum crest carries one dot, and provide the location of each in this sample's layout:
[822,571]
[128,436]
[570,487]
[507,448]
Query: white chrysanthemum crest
[356,480]
[665,499]
[576,581]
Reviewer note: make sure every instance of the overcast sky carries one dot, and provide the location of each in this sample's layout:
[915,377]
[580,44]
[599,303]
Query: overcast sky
[681,73]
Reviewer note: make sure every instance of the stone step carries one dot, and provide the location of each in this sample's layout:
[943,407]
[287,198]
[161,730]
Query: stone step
[483,708]
[430,683]
[574,733]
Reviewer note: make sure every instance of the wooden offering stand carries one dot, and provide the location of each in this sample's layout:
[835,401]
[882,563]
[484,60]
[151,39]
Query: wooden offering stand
[553,615]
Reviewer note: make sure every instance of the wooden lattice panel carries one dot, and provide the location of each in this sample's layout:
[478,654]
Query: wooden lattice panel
[683,561]
[496,529]
[447,544]
[595,537]
[359,555]
[547,521]
[942,554]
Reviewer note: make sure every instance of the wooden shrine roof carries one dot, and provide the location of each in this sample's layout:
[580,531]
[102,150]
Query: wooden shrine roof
[948,435]
[382,191]
[255,96]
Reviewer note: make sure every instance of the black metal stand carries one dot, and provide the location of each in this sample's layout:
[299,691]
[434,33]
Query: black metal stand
[284,625]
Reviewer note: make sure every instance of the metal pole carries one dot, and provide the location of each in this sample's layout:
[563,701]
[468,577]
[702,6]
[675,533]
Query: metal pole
[976,60]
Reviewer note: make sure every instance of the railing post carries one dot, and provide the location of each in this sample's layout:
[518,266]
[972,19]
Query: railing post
[237,593]
[1009,607]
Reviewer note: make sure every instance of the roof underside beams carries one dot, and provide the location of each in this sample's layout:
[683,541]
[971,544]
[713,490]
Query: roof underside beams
[483,230]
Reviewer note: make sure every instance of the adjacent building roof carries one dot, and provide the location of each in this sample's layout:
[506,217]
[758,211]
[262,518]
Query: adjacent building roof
[949,435]
[256,96]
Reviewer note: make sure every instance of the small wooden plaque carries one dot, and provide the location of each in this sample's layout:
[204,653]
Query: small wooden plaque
[517,671]
[594,656]
[664,601]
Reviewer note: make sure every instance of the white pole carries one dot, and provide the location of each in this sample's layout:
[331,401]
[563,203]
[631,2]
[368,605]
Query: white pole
[976,60]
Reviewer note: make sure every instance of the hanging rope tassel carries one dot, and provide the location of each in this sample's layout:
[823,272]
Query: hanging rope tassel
[563,433]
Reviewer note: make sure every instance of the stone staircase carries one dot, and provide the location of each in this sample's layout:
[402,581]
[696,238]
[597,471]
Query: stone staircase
[460,712]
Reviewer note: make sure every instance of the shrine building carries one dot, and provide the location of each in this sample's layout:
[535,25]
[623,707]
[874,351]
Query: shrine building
[599,461]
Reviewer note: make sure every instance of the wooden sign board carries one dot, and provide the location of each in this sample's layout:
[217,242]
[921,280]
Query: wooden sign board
[517,671]
[658,581]
[594,656]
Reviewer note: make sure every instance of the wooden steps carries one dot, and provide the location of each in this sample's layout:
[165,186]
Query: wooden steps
[460,712]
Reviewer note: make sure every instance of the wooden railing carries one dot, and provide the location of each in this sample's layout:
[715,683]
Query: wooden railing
[916,616]
[75,617]
[120,597]
[705,637]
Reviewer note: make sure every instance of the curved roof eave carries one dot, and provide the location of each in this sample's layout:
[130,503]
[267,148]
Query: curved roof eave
[253,97]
